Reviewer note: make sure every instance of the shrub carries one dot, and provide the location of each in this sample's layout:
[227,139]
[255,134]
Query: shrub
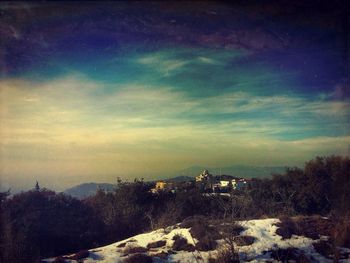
[156,244]
[180,243]
[286,228]
[206,244]
[311,227]
[194,220]
[244,240]
[72,226]
[133,250]
[122,244]
[289,254]
[200,231]
[341,233]
[205,234]
[324,248]
[139,258]
[226,256]
[230,228]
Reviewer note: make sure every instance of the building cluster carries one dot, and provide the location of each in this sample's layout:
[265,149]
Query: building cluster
[206,182]
[219,183]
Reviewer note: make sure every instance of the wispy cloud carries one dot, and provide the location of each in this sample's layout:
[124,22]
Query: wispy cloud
[162,63]
[171,61]
[72,125]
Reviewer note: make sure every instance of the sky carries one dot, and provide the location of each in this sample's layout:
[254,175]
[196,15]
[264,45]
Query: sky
[96,91]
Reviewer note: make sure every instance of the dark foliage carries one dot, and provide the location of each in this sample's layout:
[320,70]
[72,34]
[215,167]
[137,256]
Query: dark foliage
[244,240]
[341,232]
[226,256]
[194,221]
[162,255]
[135,249]
[156,244]
[289,254]
[204,233]
[139,258]
[123,211]
[42,224]
[3,197]
[325,248]
[180,243]
[122,244]
[312,227]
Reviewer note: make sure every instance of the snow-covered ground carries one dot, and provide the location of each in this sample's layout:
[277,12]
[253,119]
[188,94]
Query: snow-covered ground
[264,231]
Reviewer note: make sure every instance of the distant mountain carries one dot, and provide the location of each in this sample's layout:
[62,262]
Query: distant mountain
[179,179]
[243,171]
[88,189]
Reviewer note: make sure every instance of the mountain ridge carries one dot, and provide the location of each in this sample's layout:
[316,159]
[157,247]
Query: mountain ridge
[243,171]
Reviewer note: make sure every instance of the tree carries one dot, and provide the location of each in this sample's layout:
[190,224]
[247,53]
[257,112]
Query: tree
[3,197]
[37,188]
[43,224]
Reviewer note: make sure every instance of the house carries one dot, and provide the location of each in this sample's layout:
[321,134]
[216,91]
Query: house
[225,184]
[160,186]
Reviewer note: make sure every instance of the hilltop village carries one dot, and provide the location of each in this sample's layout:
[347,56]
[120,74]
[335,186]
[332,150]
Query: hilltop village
[206,182]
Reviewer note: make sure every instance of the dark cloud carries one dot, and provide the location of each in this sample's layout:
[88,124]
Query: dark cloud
[32,33]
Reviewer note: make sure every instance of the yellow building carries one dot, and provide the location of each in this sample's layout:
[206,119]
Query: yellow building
[160,185]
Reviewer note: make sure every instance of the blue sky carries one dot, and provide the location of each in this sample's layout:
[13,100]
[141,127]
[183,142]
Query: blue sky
[91,100]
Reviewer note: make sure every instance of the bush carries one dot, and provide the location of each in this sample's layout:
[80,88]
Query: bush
[156,244]
[41,224]
[226,256]
[244,240]
[203,232]
[341,233]
[133,250]
[206,244]
[123,244]
[194,221]
[289,254]
[311,227]
[286,228]
[324,248]
[139,258]
[180,243]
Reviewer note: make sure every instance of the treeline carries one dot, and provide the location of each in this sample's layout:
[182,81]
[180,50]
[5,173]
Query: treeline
[41,223]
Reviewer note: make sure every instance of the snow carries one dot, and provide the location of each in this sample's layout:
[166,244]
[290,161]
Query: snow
[264,230]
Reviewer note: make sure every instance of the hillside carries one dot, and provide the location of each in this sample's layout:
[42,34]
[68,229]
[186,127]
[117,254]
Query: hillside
[88,189]
[263,240]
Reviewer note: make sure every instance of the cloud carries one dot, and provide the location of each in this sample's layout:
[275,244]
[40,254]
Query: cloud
[168,62]
[84,128]
[162,64]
